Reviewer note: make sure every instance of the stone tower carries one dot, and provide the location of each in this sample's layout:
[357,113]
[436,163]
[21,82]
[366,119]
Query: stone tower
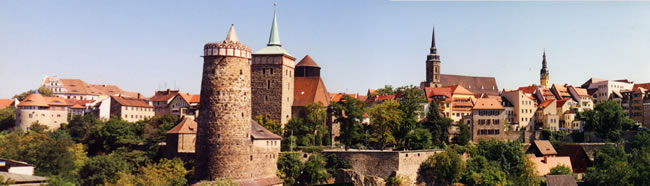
[433,65]
[272,70]
[223,142]
[543,73]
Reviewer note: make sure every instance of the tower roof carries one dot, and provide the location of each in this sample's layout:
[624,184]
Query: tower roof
[307,62]
[433,38]
[544,69]
[274,46]
[232,35]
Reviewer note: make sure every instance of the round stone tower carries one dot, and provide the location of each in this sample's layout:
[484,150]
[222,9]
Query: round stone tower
[223,142]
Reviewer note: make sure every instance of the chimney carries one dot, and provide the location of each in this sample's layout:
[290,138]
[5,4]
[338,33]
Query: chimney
[138,95]
[545,159]
[168,91]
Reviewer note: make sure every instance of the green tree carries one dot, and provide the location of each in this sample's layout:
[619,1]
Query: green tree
[511,159]
[607,119]
[272,125]
[333,164]
[315,120]
[289,168]
[418,138]
[442,168]
[348,113]
[438,125]
[610,167]
[112,135]
[102,168]
[41,90]
[79,127]
[409,103]
[562,170]
[166,172]
[387,90]
[465,133]
[385,118]
[7,118]
[481,172]
[314,171]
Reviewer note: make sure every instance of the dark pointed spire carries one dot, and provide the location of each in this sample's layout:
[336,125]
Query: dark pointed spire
[433,37]
[544,69]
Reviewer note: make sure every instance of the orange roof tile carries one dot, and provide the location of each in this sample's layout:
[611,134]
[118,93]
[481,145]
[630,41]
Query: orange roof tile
[545,147]
[164,95]
[132,102]
[186,126]
[487,103]
[580,91]
[529,89]
[4,103]
[544,167]
[42,101]
[562,102]
[337,97]
[307,61]
[643,85]
[442,91]
[459,89]
[195,98]
[546,103]
[309,90]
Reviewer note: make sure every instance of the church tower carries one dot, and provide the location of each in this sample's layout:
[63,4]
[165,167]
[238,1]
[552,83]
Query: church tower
[543,73]
[272,74]
[433,65]
[223,142]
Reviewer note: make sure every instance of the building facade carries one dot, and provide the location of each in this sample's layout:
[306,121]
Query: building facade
[272,78]
[487,119]
[36,108]
[185,105]
[131,109]
[524,108]
[161,99]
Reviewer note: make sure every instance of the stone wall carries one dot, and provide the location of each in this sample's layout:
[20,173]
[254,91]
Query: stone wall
[272,87]
[223,146]
[265,157]
[51,118]
[384,163]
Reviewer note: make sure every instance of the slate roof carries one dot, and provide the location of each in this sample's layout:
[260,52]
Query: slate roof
[132,102]
[22,178]
[560,180]
[474,84]
[309,90]
[308,62]
[545,147]
[261,133]
[487,103]
[186,126]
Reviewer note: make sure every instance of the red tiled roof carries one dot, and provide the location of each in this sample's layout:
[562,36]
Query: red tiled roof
[164,95]
[190,98]
[41,101]
[4,103]
[432,91]
[77,86]
[363,98]
[186,126]
[545,147]
[459,89]
[529,89]
[487,103]
[132,102]
[309,90]
[643,85]
[77,106]
[337,96]
[195,98]
[546,103]
[561,102]
[307,61]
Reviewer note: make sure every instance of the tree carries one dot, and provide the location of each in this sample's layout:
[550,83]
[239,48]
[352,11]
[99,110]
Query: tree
[272,125]
[464,135]
[41,90]
[511,160]
[314,171]
[607,119]
[7,118]
[101,169]
[444,168]
[385,118]
[333,164]
[315,120]
[348,113]
[562,170]
[481,172]
[610,167]
[289,168]
[438,125]
[409,103]
[112,135]
[79,127]
[166,172]
[387,90]
[418,138]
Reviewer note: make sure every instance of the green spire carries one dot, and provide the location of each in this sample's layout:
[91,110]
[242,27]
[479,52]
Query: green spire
[274,38]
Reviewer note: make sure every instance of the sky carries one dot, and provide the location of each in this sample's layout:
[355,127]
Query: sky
[145,46]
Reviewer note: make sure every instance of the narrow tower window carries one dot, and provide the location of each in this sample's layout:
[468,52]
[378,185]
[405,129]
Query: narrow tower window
[268,82]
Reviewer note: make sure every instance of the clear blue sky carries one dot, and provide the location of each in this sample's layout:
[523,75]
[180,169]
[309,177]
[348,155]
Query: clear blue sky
[147,45]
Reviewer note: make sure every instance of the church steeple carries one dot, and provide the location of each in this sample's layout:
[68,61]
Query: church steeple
[433,64]
[274,38]
[543,73]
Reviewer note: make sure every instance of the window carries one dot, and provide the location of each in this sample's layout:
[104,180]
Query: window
[268,84]
[488,121]
[271,71]
[263,71]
